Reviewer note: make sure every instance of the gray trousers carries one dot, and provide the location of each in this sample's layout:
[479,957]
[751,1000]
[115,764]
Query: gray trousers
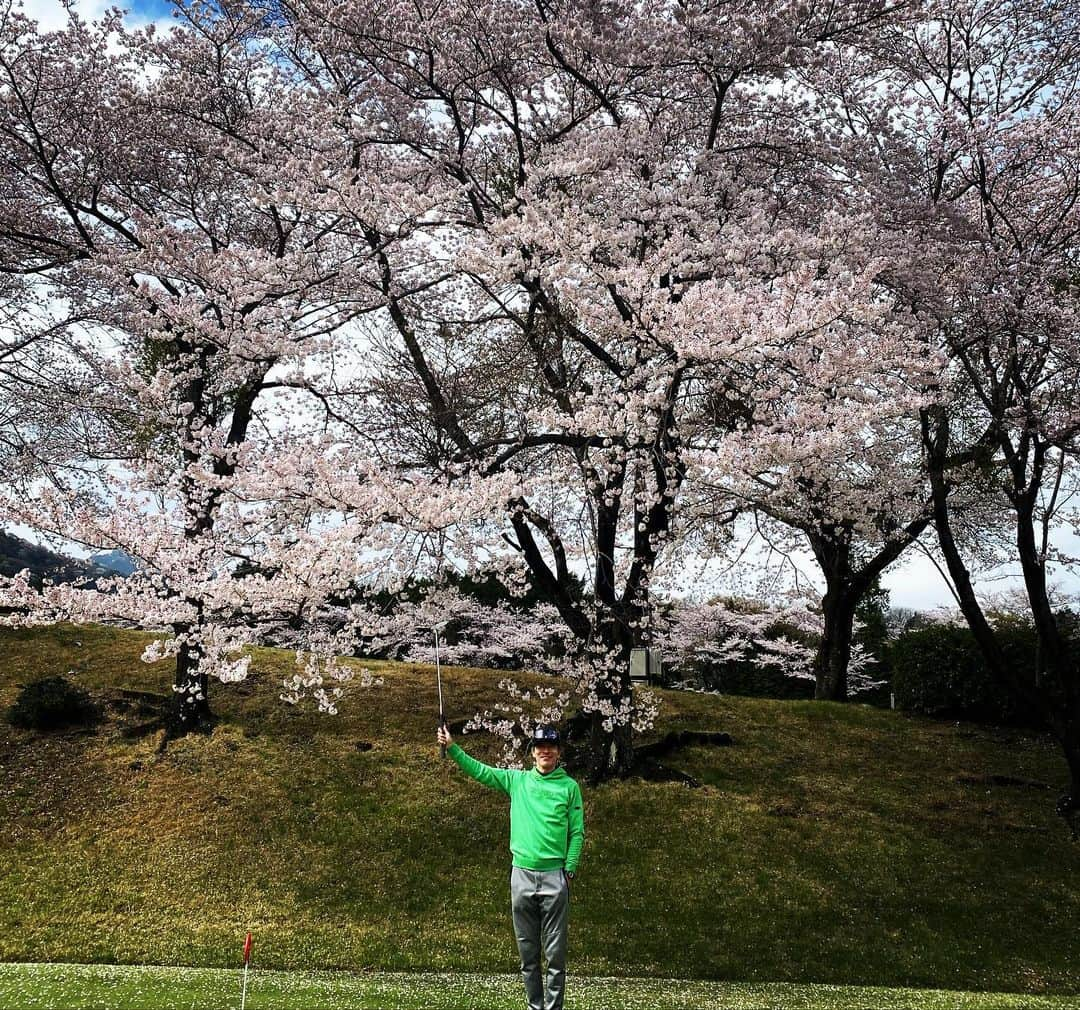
[540,903]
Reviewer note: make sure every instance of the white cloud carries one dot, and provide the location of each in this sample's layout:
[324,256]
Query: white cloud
[51,15]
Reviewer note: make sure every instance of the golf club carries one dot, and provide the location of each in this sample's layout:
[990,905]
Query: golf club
[438,674]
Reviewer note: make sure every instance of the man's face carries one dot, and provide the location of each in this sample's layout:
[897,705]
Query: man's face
[546,756]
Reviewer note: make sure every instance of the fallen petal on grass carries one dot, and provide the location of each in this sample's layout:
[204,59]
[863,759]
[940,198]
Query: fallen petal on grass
[138,987]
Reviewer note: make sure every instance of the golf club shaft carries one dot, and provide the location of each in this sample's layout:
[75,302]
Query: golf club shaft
[438,674]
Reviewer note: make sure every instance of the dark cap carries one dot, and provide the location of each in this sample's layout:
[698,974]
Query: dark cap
[546,734]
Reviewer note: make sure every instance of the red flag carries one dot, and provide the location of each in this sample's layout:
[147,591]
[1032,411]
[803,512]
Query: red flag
[247,949]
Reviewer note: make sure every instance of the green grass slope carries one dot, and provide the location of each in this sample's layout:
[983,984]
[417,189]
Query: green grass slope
[833,844]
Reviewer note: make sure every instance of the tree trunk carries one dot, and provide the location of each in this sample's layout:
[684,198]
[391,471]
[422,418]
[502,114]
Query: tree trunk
[611,753]
[834,652]
[611,749]
[832,548]
[935,427]
[189,707]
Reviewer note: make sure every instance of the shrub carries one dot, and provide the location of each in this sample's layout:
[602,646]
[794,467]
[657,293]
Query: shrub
[756,681]
[52,703]
[938,670]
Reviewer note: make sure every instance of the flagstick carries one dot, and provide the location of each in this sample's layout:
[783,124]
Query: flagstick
[247,961]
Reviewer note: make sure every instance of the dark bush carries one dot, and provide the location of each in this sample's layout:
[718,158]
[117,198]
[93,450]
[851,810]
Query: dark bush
[938,670]
[755,681]
[52,703]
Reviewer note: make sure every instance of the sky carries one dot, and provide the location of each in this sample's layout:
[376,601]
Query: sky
[50,15]
[913,582]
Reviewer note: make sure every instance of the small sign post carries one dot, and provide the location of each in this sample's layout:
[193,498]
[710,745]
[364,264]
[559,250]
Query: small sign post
[646,666]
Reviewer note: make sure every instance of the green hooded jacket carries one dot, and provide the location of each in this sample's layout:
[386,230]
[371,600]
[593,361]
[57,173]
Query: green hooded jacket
[547,819]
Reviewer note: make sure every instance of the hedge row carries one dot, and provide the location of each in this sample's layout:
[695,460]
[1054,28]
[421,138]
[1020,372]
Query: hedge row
[938,670]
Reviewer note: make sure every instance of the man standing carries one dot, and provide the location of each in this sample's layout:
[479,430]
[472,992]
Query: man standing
[547,830]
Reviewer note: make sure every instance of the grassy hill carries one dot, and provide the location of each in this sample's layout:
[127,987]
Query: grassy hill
[830,843]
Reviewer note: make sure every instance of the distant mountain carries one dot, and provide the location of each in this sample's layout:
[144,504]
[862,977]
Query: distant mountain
[114,561]
[17,554]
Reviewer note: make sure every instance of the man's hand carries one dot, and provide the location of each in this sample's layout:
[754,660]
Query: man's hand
[444,737]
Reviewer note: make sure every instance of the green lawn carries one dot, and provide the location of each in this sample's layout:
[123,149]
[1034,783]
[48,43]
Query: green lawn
[125,987]
[831,844]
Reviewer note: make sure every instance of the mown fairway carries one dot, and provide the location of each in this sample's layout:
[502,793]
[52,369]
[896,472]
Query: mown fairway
[137,988]
[830,844]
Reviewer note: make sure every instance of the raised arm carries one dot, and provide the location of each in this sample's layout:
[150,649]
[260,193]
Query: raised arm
[493,778]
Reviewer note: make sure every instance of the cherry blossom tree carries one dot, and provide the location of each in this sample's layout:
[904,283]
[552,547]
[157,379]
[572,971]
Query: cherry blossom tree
[163,207]
[825,453]
[610,189]
[472,633]
[723,631]
[773,637]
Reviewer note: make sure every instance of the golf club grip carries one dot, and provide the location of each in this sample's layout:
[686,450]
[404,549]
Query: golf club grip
[442,725]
